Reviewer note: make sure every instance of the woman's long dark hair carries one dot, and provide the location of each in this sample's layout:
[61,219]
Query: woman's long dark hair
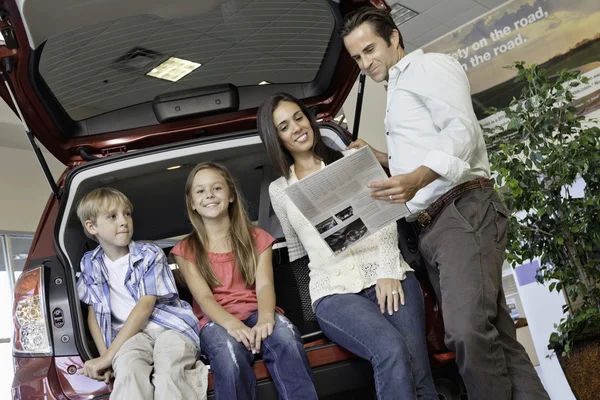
[280,157]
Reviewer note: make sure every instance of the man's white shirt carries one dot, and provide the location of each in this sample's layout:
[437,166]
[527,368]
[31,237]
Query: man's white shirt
[430,121]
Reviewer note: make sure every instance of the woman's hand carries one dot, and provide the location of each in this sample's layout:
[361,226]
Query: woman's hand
[381,156]
[262,330]
[389,293]
[240,332]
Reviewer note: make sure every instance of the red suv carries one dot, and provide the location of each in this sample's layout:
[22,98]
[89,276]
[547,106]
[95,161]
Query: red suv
[132,95]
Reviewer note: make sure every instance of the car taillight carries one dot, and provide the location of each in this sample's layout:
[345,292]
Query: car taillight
[31,335]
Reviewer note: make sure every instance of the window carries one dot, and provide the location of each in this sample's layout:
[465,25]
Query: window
[112,65]
[511,292]
[14,249]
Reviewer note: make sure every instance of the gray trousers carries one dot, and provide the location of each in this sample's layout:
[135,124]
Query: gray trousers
[159,364]
[464,252]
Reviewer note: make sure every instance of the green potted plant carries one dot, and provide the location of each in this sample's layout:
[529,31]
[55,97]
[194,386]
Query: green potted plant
[545,147]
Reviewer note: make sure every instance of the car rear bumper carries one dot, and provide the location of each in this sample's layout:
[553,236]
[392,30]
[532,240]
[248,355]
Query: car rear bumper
[49,378]
[35,378]
[337,373]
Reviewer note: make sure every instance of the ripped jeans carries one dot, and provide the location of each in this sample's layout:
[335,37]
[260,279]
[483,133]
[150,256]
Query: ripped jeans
[282,352]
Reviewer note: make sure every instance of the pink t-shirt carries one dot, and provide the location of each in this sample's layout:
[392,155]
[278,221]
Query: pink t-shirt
[237,299]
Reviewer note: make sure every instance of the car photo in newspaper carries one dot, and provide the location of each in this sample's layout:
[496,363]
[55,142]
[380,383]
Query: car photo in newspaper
[337,201]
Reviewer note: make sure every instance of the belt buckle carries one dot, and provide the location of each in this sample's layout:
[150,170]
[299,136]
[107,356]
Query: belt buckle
[424,219]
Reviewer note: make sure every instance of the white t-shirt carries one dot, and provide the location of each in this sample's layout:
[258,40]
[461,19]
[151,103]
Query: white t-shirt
[121,301]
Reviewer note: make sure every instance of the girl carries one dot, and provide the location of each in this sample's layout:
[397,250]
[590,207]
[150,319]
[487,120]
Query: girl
[226,264]
[352,291]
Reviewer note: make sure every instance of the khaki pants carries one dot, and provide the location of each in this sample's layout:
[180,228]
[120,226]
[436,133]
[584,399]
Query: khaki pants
[159,364]
[464,249]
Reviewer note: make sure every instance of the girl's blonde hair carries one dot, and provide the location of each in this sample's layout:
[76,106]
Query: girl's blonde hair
[242,240]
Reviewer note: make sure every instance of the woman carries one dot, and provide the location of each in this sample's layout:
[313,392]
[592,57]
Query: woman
[366,298]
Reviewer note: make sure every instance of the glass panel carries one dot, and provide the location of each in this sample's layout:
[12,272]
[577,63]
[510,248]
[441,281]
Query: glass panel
[20,246]
[3,259]
[509,285]
[97,69]
[5,294]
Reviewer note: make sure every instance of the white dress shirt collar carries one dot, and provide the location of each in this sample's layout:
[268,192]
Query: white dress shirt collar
[404,61]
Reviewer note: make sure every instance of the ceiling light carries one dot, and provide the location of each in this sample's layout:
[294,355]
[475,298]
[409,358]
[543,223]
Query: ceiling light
[173,69]
[401,14]
[173,167]
[265,83]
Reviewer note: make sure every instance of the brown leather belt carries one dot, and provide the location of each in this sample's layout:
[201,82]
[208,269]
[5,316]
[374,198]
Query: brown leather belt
[427,216]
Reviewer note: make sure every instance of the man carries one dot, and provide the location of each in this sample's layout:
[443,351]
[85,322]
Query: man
[440,169]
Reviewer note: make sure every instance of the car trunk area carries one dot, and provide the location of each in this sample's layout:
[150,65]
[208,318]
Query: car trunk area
[154,181]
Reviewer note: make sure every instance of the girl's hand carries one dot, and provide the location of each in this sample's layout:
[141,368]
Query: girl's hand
[240,332]
[389,293]
[262,330]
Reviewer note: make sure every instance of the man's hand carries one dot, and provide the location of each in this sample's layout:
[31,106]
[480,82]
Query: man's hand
[404,187]
[262,330]
[99,368]
[381,156]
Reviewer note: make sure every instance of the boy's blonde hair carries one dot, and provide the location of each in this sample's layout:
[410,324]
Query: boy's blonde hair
[97,201]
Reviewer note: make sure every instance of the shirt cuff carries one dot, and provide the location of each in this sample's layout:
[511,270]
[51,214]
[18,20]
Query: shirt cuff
[447,166]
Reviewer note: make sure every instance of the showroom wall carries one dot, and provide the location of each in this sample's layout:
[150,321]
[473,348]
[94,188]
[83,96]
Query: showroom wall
[25,190]
[372,127]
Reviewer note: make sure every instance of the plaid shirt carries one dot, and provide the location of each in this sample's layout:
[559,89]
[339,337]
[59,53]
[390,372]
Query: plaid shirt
[148,275]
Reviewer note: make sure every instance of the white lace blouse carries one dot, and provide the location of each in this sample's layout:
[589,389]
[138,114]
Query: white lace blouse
[351,271]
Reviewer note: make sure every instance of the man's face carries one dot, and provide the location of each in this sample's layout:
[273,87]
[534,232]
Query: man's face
[371,52]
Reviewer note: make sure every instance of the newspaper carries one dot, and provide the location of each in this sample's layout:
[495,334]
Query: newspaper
[337,201]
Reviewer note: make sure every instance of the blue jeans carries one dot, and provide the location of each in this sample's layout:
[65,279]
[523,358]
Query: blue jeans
[394,344]
[283,353]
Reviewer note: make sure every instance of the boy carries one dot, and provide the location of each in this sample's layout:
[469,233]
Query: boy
[137,321]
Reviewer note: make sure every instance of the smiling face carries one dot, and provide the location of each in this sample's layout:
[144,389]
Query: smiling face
[210,195]
[372,53]
[113,229]
[293,128]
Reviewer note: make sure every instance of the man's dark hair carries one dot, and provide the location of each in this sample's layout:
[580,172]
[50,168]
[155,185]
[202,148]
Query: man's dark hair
[380,20]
